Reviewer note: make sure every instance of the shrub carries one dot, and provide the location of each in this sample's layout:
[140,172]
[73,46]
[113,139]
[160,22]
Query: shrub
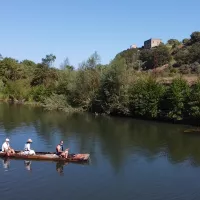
[112,96]
[185,69]
[18,90]
[175,99]
[145,96]
[194,101]
[58,102]
[39,93]
[195,68]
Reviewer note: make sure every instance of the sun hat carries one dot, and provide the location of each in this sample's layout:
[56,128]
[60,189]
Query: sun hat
[7,140]
[29,140]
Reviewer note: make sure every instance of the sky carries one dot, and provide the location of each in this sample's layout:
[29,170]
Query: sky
[31,29]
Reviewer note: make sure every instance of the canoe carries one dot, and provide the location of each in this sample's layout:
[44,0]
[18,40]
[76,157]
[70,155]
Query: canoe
[48,156]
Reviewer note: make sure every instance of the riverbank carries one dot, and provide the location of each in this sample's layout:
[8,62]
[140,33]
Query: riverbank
[188,121]
[19,102]
[131,85]
[48,107]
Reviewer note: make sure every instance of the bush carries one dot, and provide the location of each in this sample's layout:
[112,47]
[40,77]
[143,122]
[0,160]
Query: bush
[145,97]
[85,86]
[40,93]
[194,101]
[195,68]
[185,69]
[175,99]
[112,96]
[1,90]
[17,90]
[58,102]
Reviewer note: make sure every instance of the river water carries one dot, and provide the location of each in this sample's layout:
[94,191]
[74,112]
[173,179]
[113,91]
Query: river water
[130,159]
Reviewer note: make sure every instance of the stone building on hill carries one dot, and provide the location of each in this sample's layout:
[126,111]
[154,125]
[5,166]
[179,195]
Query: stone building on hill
[148,44]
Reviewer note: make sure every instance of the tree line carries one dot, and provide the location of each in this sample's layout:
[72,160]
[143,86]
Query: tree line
[126,86]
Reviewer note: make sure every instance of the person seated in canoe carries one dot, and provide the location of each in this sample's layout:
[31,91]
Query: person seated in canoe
[60,152]
[27,148]
[6,147]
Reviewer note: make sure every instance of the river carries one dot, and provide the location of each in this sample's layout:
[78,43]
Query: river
[130,159]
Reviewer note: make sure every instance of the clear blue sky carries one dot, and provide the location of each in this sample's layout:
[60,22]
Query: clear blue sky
[30,29]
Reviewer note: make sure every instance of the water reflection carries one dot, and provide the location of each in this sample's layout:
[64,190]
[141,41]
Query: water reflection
[27,164]
[117,138]
[60,167]
[6,163]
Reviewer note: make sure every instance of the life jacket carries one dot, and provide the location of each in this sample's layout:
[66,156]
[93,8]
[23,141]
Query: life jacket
[61,146]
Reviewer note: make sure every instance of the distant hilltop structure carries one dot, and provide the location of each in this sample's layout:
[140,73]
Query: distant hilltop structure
[153,42]
[133,46]
[148,44]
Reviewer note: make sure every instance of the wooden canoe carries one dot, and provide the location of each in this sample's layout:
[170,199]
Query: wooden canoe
[48,156]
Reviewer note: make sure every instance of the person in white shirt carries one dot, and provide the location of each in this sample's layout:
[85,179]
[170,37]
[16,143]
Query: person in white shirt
[27,148]
[6,147]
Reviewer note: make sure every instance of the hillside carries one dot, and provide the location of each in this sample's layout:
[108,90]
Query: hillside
[179,56]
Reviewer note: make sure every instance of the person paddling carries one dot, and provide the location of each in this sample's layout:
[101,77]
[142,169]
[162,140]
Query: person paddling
[6,147]
[60,152]
[27,148]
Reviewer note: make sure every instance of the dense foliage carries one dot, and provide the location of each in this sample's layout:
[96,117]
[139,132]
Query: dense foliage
[126,86]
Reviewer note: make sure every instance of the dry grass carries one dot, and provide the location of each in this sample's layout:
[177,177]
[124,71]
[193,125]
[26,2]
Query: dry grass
[191,79]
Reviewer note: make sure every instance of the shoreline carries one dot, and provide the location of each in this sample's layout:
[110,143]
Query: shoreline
[187,122]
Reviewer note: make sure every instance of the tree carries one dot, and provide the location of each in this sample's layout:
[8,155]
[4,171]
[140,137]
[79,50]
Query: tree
[195,37]
[49,60]
[44,75]
[155,57]
[131,57]
[66,65]
[185,41]
[1,57]
[28,63]
[194,52]
[92,62]
[145,97]
[146,56]
[10,69]
[112,96]
[173,42]
[162,55]
[182,56]
[175,98]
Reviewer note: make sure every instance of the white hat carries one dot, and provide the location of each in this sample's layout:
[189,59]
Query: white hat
[7,140]
[29,140]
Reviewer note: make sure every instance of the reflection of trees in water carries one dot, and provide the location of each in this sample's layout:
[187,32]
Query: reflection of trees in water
[119,137]
[13,116]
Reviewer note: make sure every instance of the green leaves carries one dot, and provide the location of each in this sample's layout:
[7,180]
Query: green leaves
[145,97]
[194,101]
[155,57]
[195,37]
[176,99]
[48,60]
